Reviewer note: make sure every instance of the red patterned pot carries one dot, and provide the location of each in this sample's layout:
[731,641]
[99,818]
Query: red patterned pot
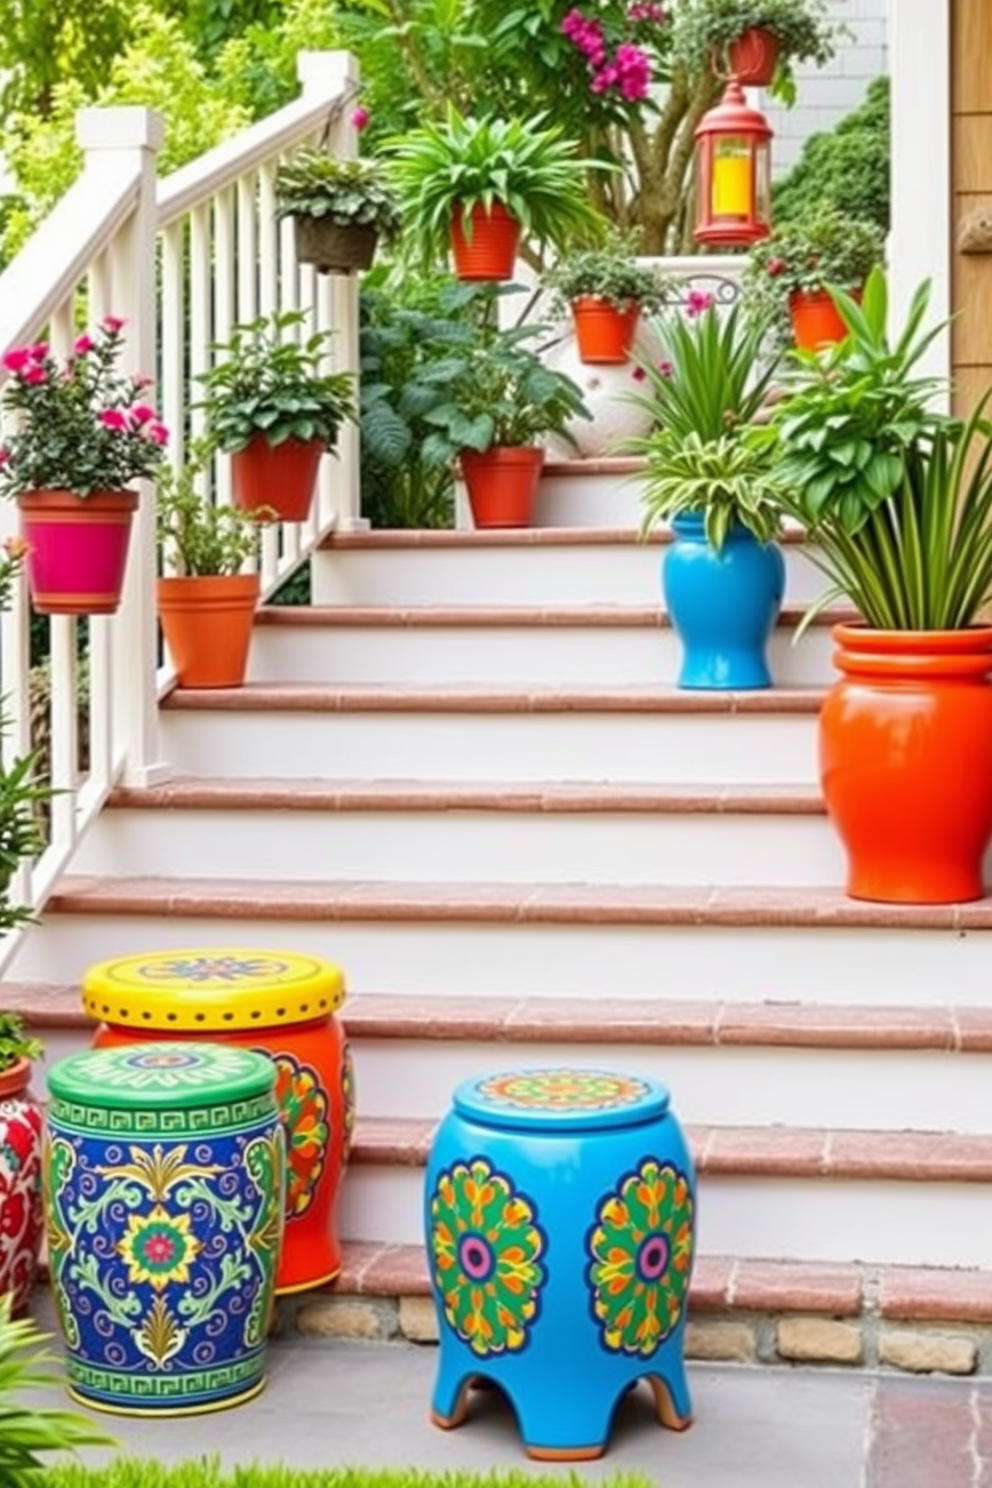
[21,1222]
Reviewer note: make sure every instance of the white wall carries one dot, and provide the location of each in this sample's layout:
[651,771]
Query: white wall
[826,94]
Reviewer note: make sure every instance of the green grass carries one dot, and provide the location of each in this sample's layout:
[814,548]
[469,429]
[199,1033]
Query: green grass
[133,1472]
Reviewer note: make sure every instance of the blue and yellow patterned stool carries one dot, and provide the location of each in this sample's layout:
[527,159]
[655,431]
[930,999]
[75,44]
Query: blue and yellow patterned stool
[560,1214]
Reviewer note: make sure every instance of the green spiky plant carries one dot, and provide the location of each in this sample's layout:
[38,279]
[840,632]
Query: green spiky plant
[29,1433]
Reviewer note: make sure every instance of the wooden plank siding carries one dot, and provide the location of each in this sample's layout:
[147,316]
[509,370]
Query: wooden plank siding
[971,176]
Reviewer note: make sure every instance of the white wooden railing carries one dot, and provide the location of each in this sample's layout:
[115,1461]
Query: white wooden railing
[182,259]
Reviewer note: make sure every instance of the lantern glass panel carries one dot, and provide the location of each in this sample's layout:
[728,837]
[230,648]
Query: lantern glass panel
[733,177]
[763,183]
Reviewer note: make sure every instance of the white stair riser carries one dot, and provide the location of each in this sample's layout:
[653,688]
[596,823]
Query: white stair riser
[529,574]
[481,654]
[912,1224]
[724,1086]
[659,748]
[589,501]
[754,963]
[454,845]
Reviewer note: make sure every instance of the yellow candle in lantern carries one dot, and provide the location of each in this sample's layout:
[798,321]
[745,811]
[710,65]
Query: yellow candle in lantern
[731,186]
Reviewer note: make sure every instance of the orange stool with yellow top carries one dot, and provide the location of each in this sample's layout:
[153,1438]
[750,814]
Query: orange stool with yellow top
[278,1003]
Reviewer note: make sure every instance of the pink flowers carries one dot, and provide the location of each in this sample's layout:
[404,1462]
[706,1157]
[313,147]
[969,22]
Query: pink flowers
[83,345]
[17,360]
[665,367]
[158,434]
[646,10]
[112,418]
[360,118]
[113,324]
[697,302]
[628,71]
[775,266]
[638,374]
[141,413]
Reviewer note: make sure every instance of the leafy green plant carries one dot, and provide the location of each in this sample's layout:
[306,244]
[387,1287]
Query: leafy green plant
[897,497]
[607,270]
[726,480]
[269,383]
[848,166]
[496,391]
[30,1432]
[820,249]
[315,184]
[702,30]
[15,1044]
[198,538]
[527,165]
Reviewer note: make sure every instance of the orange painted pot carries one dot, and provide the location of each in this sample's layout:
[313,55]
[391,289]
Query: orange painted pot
[602,332]
[207,623]
[276,1003]
[486,246]
[753,57]
[905,751]
[280,476]
[502,484]
[815,319]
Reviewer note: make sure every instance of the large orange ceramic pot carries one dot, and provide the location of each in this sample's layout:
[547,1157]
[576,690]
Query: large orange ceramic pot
[906,761]
[276,1003]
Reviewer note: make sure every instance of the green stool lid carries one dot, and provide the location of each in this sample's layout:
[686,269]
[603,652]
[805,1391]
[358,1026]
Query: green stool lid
[561,1098]
[161,1075]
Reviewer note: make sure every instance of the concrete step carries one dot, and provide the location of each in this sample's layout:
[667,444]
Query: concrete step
[522,566]
[538,831]
[727,1063]
[618,733]
[746,944]
[519,644]
[911,1198]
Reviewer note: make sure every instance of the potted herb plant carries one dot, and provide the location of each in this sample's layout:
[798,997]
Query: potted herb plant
[82,431]
[789,274]
[206,605]
[477,184]
[21,1217]
[607,290]
[723,575]
[756,41]
[340,209]
[897,498]
[494,399]
[272,406]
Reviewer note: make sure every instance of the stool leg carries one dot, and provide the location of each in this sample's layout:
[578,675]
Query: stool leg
[549,1428]
[449,1407]
[671,1394]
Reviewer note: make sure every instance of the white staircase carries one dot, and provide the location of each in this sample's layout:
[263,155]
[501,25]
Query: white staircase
[466,776]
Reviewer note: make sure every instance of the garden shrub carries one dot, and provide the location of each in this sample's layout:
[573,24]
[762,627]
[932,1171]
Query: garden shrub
[847,166]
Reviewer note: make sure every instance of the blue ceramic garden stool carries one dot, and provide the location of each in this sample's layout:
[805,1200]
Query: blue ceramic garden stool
[164,1185]
[560,1207]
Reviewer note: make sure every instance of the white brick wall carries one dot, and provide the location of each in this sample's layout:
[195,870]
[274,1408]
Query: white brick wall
[826,94]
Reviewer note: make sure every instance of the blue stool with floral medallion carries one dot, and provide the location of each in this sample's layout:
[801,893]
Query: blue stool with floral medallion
[560,1214]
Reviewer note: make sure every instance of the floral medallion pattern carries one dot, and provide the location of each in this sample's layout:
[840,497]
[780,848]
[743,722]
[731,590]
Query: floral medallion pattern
[640,1250]
[486,1248]
[21,1219]
[225,969]
[303,1111]
[562,1090]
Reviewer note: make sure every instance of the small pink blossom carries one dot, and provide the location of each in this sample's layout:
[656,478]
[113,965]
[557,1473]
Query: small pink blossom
[638,374]
[83,345]
[697,302]
[360,118]
[157,433]
[113,324]
[665,367]
[141,413]
[112,418]
[34,374]
[4,454]
[39,351]
[775,266]
[15,361]
[143,381]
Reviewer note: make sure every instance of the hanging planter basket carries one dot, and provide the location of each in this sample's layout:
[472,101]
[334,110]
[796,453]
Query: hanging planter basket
[905,742]
[207,624]
[77,549]
[753,57]
[334,247]
[280,476]
[486,246]
[604,334]
[502,484]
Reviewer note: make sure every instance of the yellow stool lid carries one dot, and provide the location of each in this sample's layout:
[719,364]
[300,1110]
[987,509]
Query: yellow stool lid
[208,990]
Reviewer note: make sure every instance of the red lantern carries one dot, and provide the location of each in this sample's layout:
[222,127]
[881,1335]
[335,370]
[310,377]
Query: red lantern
[733,172]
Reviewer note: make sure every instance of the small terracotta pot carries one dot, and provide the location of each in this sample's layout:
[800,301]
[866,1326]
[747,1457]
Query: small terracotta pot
[905,744]
[502,485]
[488,249]
[753,57]
[281,476]
[602,332]
[207,624]
[77,549]
[815,319]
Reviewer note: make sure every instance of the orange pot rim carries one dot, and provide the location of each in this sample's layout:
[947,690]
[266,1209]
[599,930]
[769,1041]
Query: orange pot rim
[858,637]
[176,584]
[15,1078]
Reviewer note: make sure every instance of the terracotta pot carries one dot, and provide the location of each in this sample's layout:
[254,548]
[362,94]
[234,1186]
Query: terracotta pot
[21,1217]
[502,485]
[905,744]
[207,624]
[815,319]
[281,476]
[77,549]
[334,247]
[488,248]
[602,332]
[753,57]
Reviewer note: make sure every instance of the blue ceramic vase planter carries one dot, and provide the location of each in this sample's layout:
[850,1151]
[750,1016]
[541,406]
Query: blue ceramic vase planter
[723,605]
[560,1223]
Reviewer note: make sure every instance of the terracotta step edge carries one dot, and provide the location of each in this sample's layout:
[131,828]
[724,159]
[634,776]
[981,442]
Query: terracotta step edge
[483,617]
[379,538]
